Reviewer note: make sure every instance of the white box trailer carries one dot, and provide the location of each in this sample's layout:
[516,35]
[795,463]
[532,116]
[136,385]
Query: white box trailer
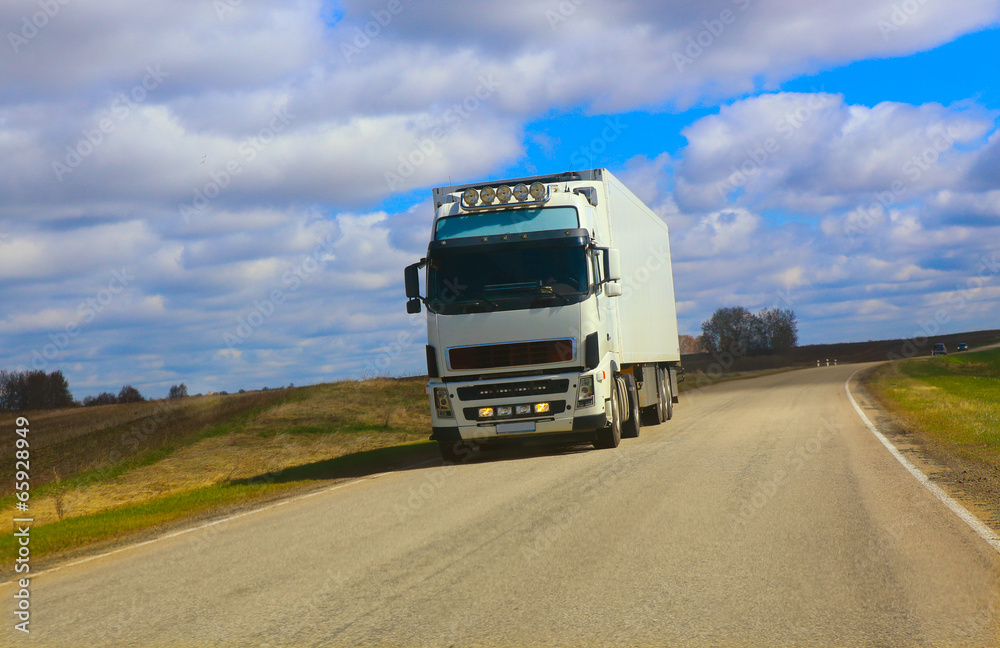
[550,312]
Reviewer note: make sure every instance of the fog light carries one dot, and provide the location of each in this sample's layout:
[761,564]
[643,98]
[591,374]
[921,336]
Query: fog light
[541,408]
[503,194]
[537,190]
[505,410]
[521,192]
[487,195]
[485,412]
[523,409]
[469,197]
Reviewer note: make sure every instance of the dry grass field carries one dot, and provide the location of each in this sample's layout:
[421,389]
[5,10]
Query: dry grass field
[96,460]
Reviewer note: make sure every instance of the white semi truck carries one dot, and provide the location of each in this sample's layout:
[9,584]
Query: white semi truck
[551,313]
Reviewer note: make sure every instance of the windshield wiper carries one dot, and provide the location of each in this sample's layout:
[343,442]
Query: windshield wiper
[478,300]
[549,290]
[512,287]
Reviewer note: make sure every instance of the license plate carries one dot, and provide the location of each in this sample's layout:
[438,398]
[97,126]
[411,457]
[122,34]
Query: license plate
[516,426]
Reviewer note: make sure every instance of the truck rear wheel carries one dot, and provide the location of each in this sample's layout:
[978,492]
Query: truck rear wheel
[611,436]
[668,396]
[630,428]
[654,414]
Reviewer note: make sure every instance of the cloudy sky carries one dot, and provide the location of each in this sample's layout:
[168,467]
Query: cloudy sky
[225,192]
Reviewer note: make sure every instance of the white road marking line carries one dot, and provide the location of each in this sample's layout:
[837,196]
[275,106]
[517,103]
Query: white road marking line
[214,523]
[975,523]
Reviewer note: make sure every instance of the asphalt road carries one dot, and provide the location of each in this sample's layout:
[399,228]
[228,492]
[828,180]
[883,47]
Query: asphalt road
[765,513]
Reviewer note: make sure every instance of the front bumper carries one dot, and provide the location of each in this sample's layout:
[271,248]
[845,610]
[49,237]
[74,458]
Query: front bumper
[559,390]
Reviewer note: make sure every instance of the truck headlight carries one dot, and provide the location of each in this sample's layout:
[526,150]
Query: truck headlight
[521,192]
[442,403]
[485,412]
[585,398]
[505,410]
[541,408]
[487,195]
[470,197]
[503,193]
[522,409]
[537,190]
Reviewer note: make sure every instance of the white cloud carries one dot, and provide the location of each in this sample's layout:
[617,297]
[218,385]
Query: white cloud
[278,140]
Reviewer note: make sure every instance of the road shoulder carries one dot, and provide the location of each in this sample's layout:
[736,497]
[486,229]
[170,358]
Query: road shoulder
[974,485]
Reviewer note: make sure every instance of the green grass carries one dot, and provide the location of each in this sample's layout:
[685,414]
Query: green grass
[954,399]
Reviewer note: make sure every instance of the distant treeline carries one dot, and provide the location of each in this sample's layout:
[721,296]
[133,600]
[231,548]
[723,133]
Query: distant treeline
[35,390]
[27,390]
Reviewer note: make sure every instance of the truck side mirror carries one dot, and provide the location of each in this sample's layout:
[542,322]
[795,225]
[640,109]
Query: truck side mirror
[613,264]
[413,306]
[612,290]
[411,276]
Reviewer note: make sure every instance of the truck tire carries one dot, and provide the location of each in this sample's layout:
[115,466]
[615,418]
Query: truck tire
[668,396]
[610,436]
[653,414]
[455,451]
[630,427]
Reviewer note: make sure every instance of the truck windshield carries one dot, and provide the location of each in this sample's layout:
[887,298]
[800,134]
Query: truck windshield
[464,280]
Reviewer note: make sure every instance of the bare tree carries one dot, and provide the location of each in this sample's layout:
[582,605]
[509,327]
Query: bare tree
[130,394]
[736,330]
[689,345]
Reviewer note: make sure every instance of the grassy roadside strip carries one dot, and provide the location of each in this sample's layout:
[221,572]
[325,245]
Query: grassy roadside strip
[68,536]
[953,400]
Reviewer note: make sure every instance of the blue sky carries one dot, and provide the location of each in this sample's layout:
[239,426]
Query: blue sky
[216,193]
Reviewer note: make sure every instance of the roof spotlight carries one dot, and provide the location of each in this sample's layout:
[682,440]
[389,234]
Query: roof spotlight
[503,193]
[537,190]
[521,192]
[487,195]
[469,197]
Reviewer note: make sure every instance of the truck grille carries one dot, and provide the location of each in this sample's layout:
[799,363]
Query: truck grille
[508,390]
[513,354]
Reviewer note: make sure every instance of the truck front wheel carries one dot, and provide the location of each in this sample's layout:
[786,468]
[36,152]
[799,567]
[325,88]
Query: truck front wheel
[630,428]
[455,451]
[611,436]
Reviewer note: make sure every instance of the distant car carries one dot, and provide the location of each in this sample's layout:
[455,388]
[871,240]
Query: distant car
[939,350]
[962,346]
